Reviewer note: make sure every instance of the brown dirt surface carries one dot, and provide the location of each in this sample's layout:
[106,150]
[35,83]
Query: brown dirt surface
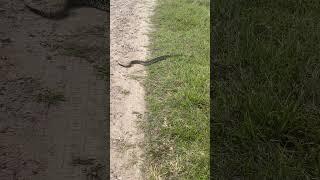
[52,94]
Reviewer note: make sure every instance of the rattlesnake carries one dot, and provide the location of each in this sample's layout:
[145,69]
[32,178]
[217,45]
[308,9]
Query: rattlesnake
[59,8]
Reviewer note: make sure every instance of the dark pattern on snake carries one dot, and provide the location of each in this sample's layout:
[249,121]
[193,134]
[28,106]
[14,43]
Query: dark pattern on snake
[57,9]
[147,63]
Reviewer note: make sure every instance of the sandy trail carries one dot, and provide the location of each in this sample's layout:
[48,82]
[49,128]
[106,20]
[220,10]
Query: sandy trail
[129,24]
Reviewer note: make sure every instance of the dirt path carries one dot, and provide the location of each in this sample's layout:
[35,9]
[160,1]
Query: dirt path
[129,25]
[52,96]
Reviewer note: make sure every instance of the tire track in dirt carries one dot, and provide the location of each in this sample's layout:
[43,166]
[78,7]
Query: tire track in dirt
[129,24]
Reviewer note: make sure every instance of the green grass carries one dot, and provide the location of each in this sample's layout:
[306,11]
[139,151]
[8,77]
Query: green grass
[178,92]
[266,90]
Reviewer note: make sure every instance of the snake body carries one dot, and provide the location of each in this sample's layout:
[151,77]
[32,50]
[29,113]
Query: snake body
[59,8]
[147,63]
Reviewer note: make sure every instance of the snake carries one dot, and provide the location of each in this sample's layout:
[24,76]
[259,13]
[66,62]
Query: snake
[148,62]
[56,9]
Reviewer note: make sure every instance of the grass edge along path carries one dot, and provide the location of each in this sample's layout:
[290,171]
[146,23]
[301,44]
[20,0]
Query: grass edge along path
[177,127]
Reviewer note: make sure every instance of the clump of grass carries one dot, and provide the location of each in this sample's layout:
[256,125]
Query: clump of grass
[50,97]
[102,71]
[265,98]
[178,92]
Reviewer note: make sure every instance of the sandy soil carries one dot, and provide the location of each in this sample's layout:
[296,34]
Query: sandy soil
[129,25]
[52,94]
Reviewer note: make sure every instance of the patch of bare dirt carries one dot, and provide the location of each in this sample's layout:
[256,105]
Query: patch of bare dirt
[129,27]
[52,94]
